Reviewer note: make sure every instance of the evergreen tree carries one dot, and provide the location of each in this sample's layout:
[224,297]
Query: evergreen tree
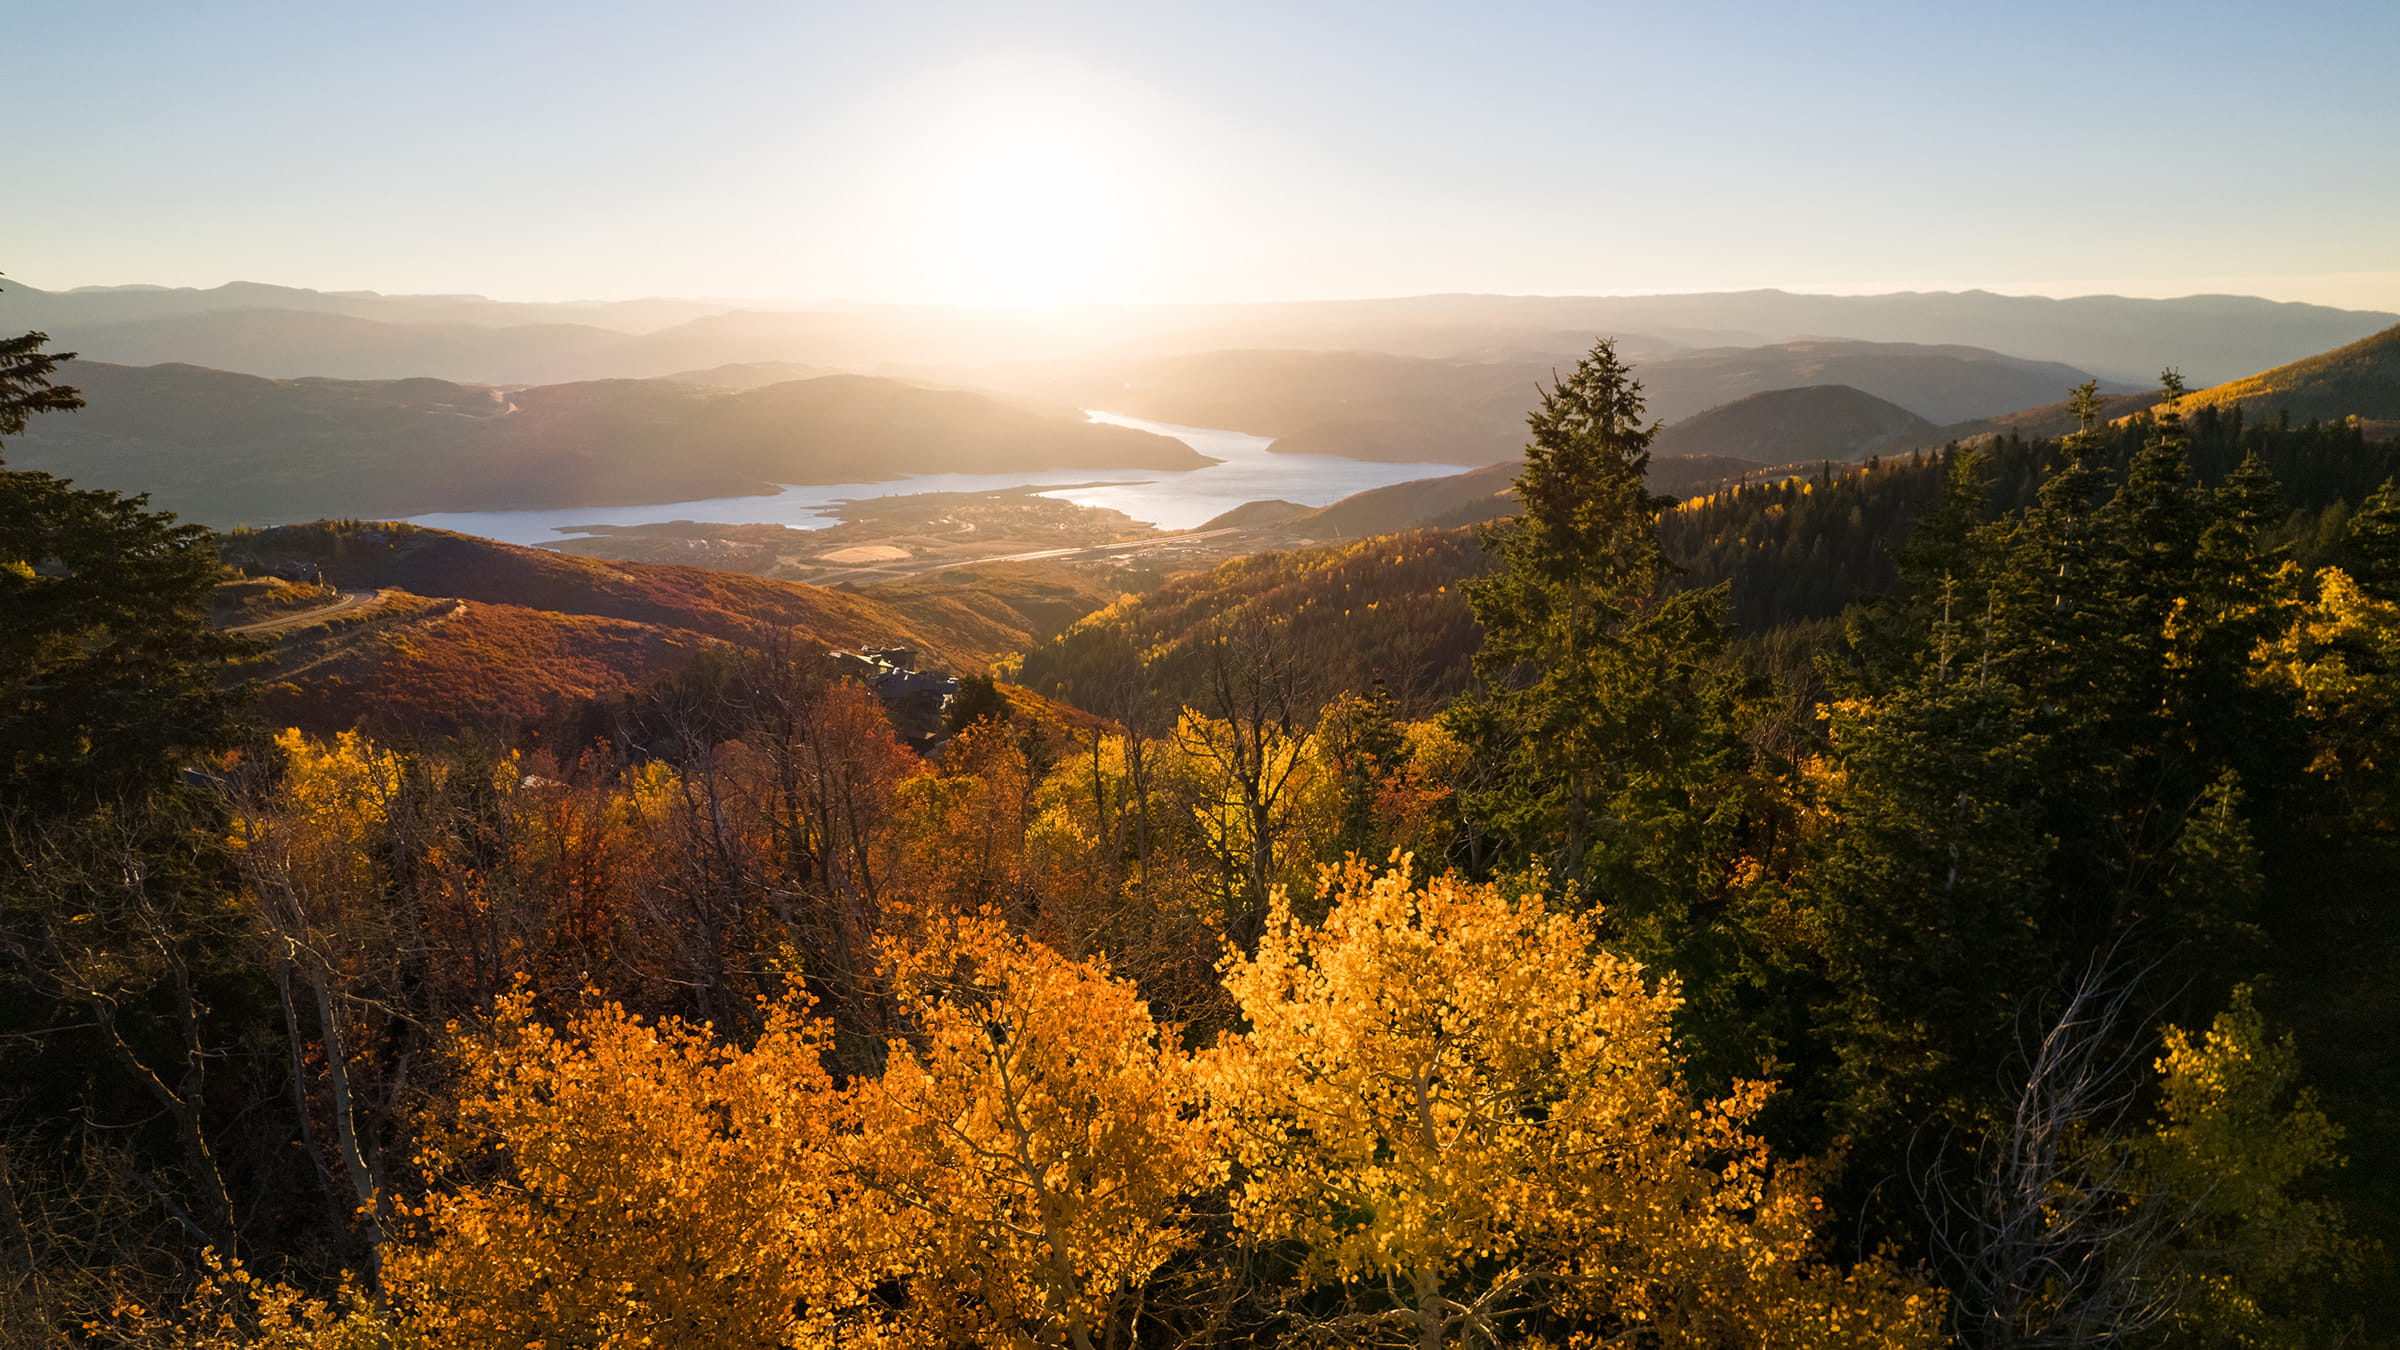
[119,980]
[110,668]
[1367,747]
[2064,764]
[1602,726]
[2373,542]
[25,384]
[1605,734]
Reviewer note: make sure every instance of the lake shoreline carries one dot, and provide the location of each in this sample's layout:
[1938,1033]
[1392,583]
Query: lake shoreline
[1243,469]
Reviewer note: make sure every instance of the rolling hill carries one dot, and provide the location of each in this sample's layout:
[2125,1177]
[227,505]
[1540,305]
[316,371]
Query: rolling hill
[2210,337]
[1827,421]
[464,631]
[1389,606]
[283,344]
[1379,406]
[1458,499]
[2360,380]
[1941,384]
[232,449]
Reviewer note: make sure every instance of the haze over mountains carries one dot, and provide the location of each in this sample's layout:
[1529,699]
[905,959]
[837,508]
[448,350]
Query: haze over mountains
[284,331]
[1376,405]
[237,449]
[263,404]
[1784,430]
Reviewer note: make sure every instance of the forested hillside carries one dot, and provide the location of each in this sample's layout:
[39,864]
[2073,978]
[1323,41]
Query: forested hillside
[1791,548]
[1504,935]
[2361,380]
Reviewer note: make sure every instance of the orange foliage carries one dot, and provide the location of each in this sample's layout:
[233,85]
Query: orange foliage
[629,1184]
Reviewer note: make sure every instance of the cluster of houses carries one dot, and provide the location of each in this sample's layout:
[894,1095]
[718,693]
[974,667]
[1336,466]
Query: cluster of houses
[918,699]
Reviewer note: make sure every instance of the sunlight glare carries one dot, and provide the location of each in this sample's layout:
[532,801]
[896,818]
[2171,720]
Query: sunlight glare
[1032,217]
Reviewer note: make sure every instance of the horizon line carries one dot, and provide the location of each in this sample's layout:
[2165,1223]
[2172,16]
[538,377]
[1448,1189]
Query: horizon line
[1803,290]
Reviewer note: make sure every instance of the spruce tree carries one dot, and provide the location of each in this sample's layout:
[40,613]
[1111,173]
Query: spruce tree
[25,384]
[117,979]
[2372,545]
[1605,731]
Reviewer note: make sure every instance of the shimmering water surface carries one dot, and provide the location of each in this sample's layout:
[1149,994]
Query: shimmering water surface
[1169,499]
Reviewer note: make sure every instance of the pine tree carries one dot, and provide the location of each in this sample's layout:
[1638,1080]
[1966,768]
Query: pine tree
[114,927]
[1603,734]
[2373,542]
[1605,739]
[25,384]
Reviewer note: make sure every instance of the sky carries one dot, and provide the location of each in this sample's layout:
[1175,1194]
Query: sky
[1121,151]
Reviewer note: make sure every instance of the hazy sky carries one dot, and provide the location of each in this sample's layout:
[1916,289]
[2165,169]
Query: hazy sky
[996,153]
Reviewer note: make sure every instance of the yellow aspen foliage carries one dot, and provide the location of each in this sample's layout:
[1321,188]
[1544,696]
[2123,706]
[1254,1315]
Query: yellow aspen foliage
[1471,1123]
[1029,1152]
[2340,653]
[622,1183]
[2238,1141]
[230,1309]
[962,824]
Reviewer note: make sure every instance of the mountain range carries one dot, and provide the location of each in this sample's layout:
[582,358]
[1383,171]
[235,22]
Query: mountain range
[2360,380]
[231,449]
[287,331]
[1382,406]
[1800,428]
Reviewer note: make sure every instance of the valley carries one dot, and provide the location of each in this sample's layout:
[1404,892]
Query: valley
[1200,677]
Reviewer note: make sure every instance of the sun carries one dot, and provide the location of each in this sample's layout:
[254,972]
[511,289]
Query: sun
[1032,217]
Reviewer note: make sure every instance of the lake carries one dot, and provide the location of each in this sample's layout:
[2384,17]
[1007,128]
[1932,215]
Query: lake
[1170,499]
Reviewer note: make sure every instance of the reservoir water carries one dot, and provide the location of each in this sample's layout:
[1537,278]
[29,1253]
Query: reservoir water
[1168,498]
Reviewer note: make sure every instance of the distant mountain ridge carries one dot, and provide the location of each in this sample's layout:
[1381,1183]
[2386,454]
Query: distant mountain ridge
[133,304]
[280,331]
[230,449]
[1380,406]
[1467,498]
[1783,431]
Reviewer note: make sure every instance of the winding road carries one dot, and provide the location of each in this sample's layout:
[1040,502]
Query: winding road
[351,600]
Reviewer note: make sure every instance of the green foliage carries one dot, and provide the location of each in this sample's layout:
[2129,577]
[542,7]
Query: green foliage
[1604,739]
[25,384]
[119,991]
[109,665]
[2048,746]
[2239,1144]
[2373,541]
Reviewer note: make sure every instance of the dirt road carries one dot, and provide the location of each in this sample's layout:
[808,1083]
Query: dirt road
[351,600]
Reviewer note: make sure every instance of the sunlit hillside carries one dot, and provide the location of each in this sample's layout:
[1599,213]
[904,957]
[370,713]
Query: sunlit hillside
[1300,676]
[2361,380]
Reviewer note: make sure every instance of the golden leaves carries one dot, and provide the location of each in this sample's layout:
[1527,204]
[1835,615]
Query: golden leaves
[1457,1093]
